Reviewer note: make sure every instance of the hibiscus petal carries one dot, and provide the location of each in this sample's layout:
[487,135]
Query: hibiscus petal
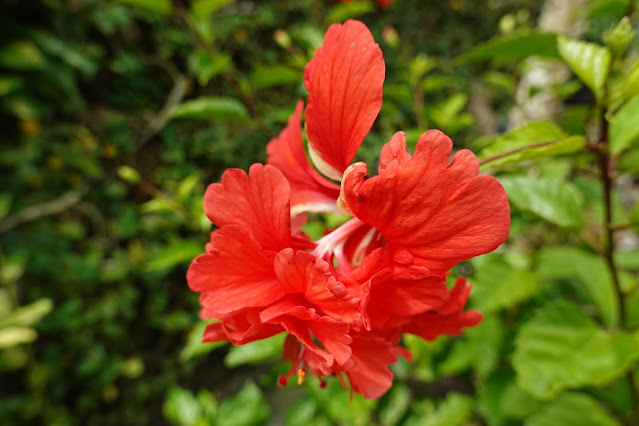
[310,192]
[240,328]
[259,201]
[371,376]
[449,319]
[441,213]
[302,273]
[344,81]
[235,274]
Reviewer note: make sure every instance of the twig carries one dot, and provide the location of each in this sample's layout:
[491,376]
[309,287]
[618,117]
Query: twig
[515,151]
[38,211]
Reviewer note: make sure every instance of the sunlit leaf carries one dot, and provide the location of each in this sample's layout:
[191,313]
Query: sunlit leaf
[556,201]
[562,348]
[624,126]
[591,270]
[212,108]
[572,409]
[255,352]
[181,407]
[589,61]
[533,140]
[454,410]
[195,347]
[14,335]
[27,315]
[515,48]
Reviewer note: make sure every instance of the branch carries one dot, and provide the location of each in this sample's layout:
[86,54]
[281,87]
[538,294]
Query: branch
[516,150]
[38,211]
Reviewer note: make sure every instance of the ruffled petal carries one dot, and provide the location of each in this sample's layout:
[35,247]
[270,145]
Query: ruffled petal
[259,201]
[449,319]
[440,213]
[371,375]
[344,81]
[302,273]
[306,324]
[310,192]
[236,273]
[240,328]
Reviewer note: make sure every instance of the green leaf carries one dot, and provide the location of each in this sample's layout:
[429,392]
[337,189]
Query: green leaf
[561,347]
[501,399]
[163,7]
[274,75]
[497,285]
[247,408]
[533,140]
[455,410]
[27,315]
[556,201]
[343,11]
[589,61]
[23,55]
[212,108]
[572,409]
[624,126]
[515,48]
[256,352]
[174,254]
[591,270]
[181,407]
[394,405]
[10,83]
[13,336]
[206,66]
[630,85]
[201,9]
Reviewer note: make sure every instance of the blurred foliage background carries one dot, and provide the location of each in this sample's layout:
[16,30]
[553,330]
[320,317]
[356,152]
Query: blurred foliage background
[115,115]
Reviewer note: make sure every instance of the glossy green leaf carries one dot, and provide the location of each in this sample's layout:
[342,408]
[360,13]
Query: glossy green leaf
[556,201]
[572,409]
[274,75]
[515,48]
[624,126]
[533,140]
[561,348]
[255,352]
[246,408]
[163,7]
[589,61]
[212,108]
[591,271]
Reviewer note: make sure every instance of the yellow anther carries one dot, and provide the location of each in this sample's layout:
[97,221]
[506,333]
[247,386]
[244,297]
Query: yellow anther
[301,373]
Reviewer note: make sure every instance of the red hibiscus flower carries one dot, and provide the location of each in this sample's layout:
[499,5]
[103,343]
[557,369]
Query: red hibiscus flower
[346,299]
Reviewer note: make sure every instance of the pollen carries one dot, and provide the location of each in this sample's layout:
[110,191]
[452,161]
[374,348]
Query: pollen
[301,374]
